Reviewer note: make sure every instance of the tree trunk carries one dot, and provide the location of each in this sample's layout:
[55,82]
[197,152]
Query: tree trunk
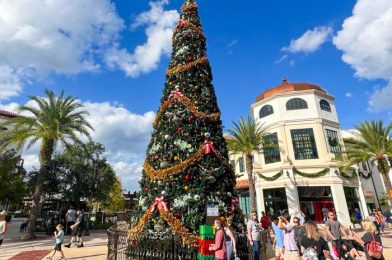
[384,168]
[45,156]
[252,190]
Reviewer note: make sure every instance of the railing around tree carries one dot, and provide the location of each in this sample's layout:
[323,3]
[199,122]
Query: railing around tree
[148,246]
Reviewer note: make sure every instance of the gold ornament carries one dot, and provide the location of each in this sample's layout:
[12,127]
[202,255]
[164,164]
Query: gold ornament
[187,66]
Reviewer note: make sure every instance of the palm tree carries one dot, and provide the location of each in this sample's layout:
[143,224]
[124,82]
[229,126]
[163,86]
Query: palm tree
[50,120]
[371,142]
[247,138]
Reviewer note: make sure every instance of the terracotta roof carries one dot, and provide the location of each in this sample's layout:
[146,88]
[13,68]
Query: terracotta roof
[288,87]
[242,184]
[7,114]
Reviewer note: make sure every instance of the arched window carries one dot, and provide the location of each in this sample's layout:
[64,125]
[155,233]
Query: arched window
[324,105]
[266,111]
[296,103]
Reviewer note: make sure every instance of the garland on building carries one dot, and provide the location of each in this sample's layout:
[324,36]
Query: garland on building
[272,178]
[347,175]
[368,176]
[311,175]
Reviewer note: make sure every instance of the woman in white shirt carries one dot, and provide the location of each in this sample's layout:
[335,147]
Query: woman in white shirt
[3,226]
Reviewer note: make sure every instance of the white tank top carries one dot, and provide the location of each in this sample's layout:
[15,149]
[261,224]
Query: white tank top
[2,224]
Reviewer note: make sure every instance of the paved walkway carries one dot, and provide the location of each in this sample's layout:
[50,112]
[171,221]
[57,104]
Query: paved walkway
[95,244]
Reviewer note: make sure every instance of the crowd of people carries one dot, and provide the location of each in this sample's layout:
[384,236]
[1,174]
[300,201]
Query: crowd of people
[293,238]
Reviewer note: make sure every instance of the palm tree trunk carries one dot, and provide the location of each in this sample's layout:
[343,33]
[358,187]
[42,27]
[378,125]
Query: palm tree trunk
[252,190]
[388,186]
[384,168]
[45,156]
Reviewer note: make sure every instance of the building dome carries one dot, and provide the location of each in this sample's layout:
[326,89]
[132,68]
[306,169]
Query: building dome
[288,87]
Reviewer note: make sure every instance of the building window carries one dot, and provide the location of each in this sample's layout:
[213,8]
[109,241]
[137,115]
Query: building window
[271,154]
[244,202]
[333,141]
[364,166]
[296,103]
[304,144]
[241,164]
[324,105]
[266,111]
[352,198]
[275,201]
[313,200]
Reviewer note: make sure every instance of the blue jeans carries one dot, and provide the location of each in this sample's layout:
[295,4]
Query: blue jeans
[256,249]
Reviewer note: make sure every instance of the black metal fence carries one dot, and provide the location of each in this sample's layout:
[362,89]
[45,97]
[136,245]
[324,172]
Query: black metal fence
[148,247]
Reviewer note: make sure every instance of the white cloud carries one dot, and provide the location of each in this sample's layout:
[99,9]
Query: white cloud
[39,38]
[124,134]
[366,42]
[310,41]
[349,94]
[159,31]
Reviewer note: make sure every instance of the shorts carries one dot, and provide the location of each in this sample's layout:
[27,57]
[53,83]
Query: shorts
[77,232]
[57,247]
[278,251]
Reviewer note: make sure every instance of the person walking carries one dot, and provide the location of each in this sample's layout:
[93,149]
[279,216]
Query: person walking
[388,217]
[367,238]
[254,235]
[59,235]
[325,211]
[313,240]
[299,232]
[231,248]
[70,218]
[381,220]
[3,227]
[358,216]
[374,219]
[77,231]
[334,232]
[277,245]
[220,242]
[266,224]
[290,245]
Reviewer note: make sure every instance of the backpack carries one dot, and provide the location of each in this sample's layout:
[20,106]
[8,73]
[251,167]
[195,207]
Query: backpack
[310,254]
[374,248]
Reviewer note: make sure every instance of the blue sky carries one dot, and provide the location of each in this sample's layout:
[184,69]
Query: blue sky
[113,55]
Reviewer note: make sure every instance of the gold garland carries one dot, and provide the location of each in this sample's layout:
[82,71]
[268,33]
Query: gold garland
[133,232]
[185,8]
[190,25]
[189,105]
[187,237]
[186,66]
[162,174]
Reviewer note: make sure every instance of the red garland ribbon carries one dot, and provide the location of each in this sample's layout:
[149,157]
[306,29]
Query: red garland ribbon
[160,204]
[175,94]
[204,246]
[209,147]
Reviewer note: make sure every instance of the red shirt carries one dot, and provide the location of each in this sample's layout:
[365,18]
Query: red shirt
[265,222]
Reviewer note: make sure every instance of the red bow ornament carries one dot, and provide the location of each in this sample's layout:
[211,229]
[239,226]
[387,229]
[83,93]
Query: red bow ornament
[181,22]
[160,204]
[209,147]
[175,93]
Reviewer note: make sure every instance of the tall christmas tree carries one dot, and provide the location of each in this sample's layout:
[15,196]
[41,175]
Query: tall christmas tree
[187,164]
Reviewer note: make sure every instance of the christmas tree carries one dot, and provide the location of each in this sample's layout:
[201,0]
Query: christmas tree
[187,163]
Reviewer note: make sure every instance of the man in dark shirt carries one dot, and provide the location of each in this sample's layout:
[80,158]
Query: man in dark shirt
[77,230]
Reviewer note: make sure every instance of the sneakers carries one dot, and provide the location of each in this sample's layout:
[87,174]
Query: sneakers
[67,245]
[80,245]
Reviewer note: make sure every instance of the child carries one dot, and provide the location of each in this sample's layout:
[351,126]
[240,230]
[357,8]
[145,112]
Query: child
[59,235]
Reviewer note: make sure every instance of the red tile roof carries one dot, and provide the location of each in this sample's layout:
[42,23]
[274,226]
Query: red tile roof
[288,87]
[7,114]
[242,184]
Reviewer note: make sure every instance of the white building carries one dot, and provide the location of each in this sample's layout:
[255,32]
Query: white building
[303,174]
